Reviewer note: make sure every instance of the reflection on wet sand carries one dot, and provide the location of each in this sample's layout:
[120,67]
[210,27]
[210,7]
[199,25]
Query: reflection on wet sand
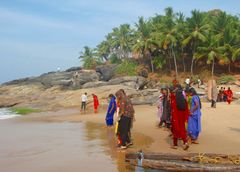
[107,137]
[41,143]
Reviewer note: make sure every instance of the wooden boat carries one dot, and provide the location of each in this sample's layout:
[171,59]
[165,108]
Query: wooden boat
[188,162]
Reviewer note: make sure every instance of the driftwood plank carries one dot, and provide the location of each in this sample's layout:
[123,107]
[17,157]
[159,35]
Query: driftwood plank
[172,162]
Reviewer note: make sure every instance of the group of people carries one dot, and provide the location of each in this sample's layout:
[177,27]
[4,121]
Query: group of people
[84,103]
[179,110]
[122,106]
[225,95]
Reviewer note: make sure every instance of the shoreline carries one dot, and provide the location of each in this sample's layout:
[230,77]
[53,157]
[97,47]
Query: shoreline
[220,128]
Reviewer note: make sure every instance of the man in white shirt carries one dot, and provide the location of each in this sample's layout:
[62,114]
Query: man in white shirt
[187,81]
[84,102]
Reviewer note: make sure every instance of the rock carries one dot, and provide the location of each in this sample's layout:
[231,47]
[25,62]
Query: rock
[85,77]
[237,83]
[94,84]
[106,71]
[149,96]
[131,81]
[73,69]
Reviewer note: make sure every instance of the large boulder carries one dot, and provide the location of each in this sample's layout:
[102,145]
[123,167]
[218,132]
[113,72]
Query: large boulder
[94,84]
[106,71]
[131,81]
[149,96]
[73,69]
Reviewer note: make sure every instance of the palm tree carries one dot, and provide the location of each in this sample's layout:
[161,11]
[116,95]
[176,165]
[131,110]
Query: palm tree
[210,51]
[197,29]
[88,57]
[121,39]
[167,35]
[103,50]
[144,43]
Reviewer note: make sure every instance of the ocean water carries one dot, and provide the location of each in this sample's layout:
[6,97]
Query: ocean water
[6,113]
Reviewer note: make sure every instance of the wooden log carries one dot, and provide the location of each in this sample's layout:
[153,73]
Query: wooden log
[172,162]
[175,165]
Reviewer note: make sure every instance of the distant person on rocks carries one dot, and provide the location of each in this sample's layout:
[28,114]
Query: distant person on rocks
[84,102]
[111,110]
[95,103]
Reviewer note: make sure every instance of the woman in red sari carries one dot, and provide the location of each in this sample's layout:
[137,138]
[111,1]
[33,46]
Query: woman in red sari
[179,119]
[95,103]
[229,94]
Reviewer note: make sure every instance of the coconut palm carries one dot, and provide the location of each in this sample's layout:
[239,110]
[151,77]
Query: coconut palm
[197,29]
[144,43]
[88,58]
[121,38]
[210,51]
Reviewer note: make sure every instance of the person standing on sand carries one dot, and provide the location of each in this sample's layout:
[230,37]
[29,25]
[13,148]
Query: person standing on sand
[179,117]
[166,114]
[111,110]
[160,108]
[126,114]
[84,102]
[95,103]
[229,94]
[194,120]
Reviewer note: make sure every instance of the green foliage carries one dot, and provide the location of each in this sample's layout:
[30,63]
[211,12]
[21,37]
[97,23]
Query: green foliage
[211,37]
[159,62]
[127,67]
[114,59]
[226,79]
[24,111]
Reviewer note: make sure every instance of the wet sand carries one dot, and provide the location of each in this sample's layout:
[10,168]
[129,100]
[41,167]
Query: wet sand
[51,143]
[69,141]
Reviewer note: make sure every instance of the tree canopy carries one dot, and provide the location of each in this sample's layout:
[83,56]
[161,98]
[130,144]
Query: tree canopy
[163,41]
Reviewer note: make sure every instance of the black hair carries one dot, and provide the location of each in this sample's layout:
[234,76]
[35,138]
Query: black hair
[111,95]
[194,93]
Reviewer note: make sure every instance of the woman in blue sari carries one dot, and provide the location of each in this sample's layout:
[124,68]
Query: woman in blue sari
[111,110]
[194,120]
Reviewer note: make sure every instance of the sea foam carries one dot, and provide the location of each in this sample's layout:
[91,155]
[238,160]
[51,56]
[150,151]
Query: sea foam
[6,113]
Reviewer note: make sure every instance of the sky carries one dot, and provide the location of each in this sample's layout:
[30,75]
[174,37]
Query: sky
[39,36]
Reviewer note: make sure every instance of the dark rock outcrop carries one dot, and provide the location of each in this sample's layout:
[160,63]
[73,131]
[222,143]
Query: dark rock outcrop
[106,71]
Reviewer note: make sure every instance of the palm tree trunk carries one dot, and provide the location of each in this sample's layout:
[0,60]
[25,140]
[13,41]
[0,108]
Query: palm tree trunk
[152,67]
[213,67]
[175,62]
[184,66]
[192,66]
[229,67]
[170,64]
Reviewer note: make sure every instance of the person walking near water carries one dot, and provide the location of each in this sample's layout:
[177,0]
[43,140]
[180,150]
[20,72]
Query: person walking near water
[111,110]
[194,120]
[95,103]
[126,113]
[84,102]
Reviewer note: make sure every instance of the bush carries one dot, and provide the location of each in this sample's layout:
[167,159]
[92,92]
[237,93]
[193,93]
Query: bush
[114,59]
[127,67]
[226,79]
[24,111]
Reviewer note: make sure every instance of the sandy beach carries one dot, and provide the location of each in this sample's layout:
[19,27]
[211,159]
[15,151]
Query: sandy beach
[220,128]
[66,139]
